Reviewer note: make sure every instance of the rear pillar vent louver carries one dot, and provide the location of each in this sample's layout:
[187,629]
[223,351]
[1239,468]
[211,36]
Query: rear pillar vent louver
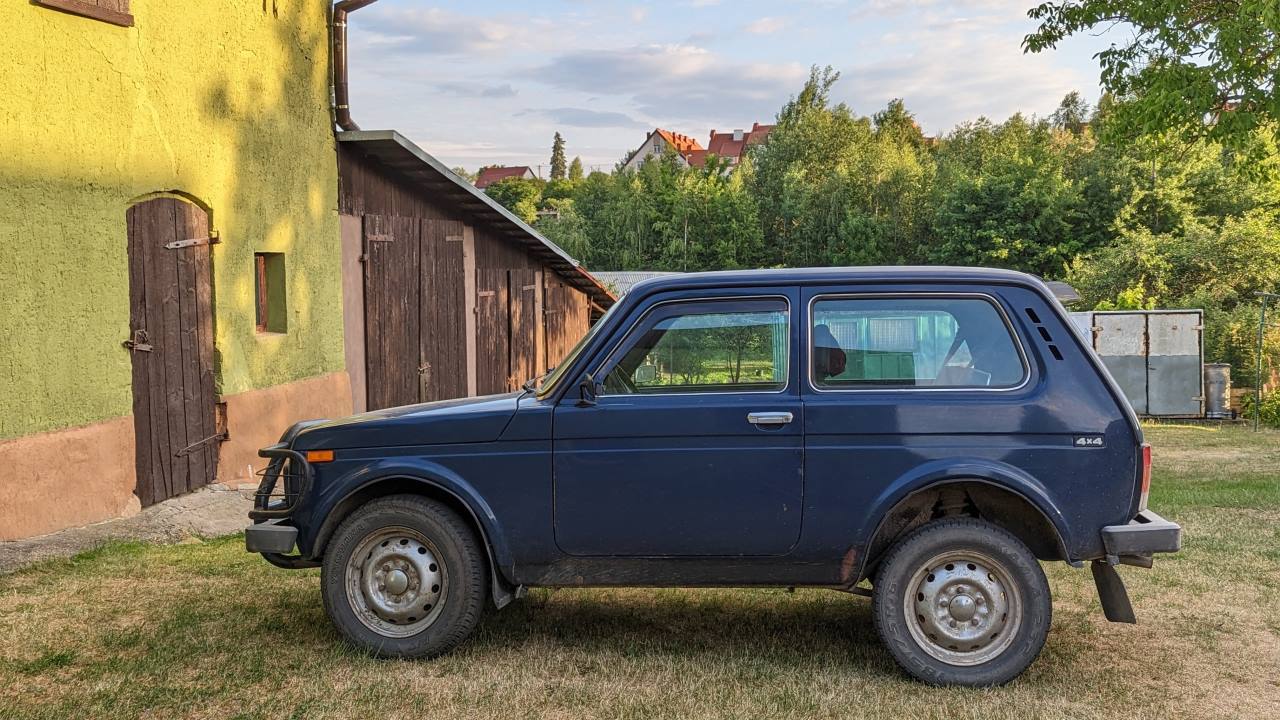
[1044,334]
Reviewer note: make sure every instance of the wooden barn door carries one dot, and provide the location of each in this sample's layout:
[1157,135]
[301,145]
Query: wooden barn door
[443,342]
[567,319]
[493,332]
[524,295]
[171,341]
[415,297]
[392,303]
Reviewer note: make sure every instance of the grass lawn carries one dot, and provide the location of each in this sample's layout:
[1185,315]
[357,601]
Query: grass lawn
[205,630]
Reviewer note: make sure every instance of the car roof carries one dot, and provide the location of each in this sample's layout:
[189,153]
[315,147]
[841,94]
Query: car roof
[834,275]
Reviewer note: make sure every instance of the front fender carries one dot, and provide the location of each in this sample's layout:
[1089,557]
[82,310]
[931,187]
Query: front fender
[331,503]
[940,472]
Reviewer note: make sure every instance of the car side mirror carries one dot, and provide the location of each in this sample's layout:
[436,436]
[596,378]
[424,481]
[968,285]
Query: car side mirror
[645,374]
[588,390]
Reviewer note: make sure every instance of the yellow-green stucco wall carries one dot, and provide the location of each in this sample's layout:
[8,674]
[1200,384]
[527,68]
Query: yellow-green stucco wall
[223,101]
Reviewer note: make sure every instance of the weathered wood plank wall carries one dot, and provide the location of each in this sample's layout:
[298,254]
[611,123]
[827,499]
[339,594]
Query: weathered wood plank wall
[525,318]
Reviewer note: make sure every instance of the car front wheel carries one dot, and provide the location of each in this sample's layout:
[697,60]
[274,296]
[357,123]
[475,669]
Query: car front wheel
[404,577]
[962,602]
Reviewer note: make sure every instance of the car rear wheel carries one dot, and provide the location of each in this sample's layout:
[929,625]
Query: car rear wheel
[962,602]
[404,577]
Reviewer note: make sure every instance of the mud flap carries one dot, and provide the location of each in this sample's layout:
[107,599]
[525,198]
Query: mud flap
[1115,599]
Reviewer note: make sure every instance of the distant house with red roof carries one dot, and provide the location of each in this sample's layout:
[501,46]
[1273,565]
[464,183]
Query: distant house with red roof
[491,175]
[727,145]
[731,145]
[659,141]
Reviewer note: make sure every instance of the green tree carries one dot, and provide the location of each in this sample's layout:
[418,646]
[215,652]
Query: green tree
[1205,264]
[565,227]
[895,123]
[519,195]
[1199,69]
[1003,198]
[575,170]
[1072,114]
[557,158]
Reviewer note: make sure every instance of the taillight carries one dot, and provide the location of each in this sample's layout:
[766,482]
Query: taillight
[1146,477]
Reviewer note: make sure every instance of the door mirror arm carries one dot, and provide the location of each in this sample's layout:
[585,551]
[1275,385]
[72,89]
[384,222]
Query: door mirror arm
[588,390]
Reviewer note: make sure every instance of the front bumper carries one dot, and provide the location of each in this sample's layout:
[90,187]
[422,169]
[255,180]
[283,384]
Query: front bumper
[286,480]
[268,537]
[1146,534]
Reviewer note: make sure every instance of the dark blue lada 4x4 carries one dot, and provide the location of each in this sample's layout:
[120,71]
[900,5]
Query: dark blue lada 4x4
[924,436]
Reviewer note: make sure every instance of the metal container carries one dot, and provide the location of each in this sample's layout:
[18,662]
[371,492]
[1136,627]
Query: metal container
[1154,355]
[1217,391]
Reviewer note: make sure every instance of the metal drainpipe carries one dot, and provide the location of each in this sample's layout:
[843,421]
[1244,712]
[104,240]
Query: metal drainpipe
[341,98]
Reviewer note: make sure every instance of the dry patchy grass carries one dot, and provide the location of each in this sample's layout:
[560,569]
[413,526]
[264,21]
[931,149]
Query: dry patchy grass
[204,630]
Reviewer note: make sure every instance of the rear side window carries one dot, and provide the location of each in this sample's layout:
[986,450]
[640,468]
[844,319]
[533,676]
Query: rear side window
[905,342]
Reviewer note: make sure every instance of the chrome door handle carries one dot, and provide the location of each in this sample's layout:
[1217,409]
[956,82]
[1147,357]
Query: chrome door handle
[769,418]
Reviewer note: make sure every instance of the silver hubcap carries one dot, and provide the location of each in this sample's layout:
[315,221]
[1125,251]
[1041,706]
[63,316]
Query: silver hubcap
[963,608]
[395,582]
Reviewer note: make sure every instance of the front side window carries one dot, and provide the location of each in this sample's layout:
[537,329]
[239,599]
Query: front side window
[901,342]
[708,346]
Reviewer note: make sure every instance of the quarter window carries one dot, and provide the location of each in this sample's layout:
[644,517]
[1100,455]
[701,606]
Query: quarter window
[714,346]
[898,342]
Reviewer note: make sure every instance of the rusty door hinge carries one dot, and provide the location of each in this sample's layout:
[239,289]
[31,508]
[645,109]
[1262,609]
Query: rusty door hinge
[138,343]
[371,238]
[192,242]
[199,444]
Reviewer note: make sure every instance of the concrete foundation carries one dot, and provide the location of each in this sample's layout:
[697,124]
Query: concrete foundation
[68,478]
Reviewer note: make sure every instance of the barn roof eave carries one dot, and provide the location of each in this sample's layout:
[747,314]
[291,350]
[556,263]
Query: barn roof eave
[400,153]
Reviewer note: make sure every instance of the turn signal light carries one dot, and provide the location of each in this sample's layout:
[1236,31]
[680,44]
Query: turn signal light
[319,456]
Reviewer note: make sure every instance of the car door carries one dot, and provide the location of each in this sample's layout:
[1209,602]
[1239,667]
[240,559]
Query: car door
[694,445]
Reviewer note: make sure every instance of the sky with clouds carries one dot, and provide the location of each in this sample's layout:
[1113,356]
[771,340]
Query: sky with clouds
[490,81]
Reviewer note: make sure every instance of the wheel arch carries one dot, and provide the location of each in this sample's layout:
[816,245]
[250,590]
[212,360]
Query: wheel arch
[437,483]
[1001,494]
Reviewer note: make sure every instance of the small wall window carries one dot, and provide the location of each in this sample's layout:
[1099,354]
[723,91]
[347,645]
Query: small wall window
[115,12]
[898,342]
[718,346]
[269,283]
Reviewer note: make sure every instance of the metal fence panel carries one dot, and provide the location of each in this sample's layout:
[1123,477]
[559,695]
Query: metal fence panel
[1121,341]
[1175,380]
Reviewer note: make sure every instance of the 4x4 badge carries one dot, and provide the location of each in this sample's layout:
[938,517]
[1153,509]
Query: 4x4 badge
[1088,441]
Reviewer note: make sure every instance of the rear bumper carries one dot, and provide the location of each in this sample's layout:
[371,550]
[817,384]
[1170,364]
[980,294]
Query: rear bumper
[1131,544]
[1145,535]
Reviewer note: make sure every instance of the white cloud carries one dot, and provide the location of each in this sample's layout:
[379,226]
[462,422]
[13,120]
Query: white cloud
[891,8]
[583,117]
[676,82]
[432,31]
[765,25]
[952,69]
[476,90]
[477,85]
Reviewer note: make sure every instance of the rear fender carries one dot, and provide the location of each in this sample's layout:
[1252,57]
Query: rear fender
[942,472]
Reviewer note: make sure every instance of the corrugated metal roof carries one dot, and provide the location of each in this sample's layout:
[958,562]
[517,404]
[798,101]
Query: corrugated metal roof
[622,280]
[398,153]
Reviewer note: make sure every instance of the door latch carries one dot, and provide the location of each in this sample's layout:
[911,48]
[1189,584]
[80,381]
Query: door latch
[769,418]
[138,343]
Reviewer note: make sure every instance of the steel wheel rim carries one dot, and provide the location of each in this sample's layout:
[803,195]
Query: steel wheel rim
[395,581]
[963,608]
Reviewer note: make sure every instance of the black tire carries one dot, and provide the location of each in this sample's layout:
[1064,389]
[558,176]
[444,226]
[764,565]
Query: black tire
[437,534]
[969,641]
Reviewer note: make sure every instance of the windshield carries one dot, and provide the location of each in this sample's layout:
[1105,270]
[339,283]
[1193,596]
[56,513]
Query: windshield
[557,373]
